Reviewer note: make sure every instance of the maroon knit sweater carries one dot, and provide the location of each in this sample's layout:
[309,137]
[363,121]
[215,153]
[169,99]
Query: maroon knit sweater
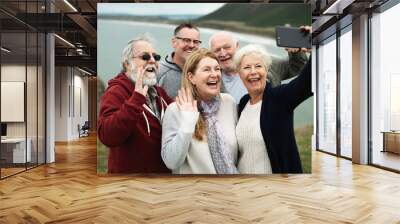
[132,132]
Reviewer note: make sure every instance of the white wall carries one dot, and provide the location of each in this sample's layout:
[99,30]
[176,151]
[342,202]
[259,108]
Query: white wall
[61,103]
[71,92]
[17,73]
[14,73]
[33,126]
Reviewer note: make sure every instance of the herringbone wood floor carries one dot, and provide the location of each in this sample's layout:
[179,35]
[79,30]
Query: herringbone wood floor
[70,191]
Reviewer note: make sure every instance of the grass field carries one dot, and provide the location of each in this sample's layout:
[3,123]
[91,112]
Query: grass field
[303,137]
[102,157]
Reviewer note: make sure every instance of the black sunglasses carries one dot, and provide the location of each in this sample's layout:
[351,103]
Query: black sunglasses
[147,57]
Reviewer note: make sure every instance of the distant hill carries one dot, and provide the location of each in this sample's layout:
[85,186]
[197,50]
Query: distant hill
[129,17]
[254,18]
[156,18]
[257,18]
[261,15]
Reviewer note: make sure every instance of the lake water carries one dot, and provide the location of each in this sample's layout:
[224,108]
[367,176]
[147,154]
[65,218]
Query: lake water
[113,35]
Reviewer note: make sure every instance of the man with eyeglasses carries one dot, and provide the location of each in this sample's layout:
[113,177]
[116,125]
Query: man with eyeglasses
[186,39]
[131,111]
[224,46]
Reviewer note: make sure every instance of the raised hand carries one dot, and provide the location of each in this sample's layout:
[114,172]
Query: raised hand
[139,82]
[305,30]
[184,101]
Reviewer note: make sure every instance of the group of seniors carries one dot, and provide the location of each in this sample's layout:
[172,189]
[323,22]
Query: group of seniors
[220,110]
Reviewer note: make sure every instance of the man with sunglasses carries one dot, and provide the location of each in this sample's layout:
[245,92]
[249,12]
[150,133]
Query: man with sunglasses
[131,111]
[186,39]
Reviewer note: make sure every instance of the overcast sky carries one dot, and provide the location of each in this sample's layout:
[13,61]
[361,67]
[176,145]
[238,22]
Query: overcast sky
[158,8]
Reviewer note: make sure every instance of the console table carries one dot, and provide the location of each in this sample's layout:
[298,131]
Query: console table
[13,150]
[391,141]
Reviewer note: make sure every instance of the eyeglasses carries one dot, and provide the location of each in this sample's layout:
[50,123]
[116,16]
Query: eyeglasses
[188,41]
[147,57]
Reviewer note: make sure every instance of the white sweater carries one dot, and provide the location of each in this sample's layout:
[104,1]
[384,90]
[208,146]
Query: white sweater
[253,157]
[184,154]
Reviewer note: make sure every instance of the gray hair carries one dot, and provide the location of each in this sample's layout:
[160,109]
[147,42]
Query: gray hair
[252,49]
[227,33]
[129,50]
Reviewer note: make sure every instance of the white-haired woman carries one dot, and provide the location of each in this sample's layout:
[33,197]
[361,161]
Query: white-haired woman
[265,130]
[198,135]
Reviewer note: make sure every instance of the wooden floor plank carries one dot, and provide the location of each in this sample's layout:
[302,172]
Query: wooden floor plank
[70,191]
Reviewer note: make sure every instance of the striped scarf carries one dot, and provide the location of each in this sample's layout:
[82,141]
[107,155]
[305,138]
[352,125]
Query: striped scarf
[220,153]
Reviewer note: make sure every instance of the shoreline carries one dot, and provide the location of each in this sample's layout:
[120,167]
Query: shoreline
[238,27]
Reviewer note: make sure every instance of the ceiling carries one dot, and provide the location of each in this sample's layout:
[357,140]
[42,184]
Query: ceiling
[332,15]
[74,22]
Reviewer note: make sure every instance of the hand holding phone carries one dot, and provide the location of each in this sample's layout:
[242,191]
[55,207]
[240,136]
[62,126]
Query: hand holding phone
[293,37]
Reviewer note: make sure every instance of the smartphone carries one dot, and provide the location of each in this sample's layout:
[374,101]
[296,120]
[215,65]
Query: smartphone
[292,37]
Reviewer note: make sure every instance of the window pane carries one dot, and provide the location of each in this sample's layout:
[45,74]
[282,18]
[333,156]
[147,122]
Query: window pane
[327,97]
[14,153]
[345,94]
[41,98]
[385,84]
[31,97]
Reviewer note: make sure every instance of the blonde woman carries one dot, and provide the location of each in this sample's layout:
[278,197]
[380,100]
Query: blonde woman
[198,134]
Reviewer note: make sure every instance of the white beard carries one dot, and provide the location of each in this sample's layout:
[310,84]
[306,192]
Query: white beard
[150,81]
[149,78]
[229,69]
